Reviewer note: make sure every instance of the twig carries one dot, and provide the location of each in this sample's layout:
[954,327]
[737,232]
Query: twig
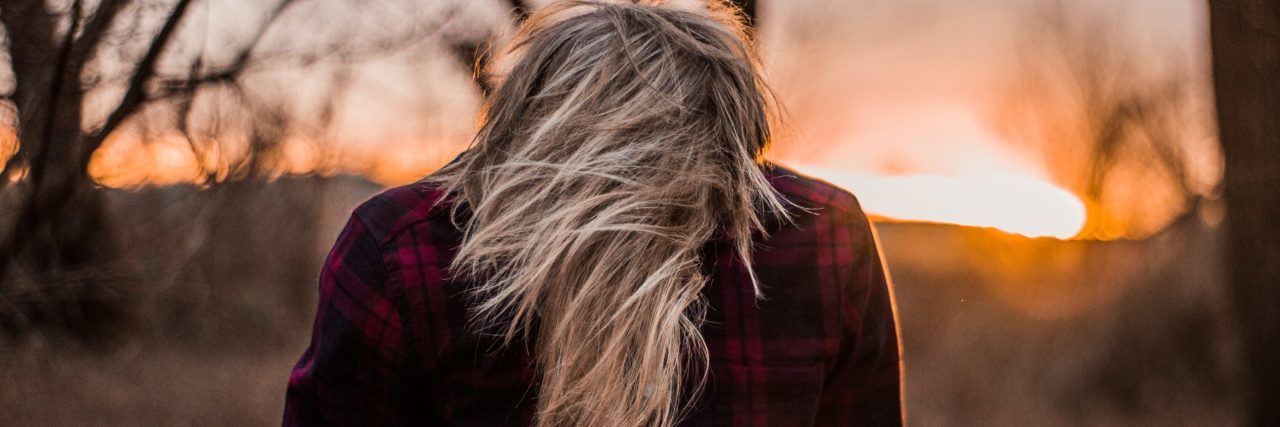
[135,95]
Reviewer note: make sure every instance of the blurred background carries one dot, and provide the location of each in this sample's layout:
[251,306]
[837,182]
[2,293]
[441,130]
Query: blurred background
[1047,180]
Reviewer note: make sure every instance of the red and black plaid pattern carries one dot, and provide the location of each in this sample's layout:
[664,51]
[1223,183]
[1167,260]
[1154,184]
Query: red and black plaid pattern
[392,343]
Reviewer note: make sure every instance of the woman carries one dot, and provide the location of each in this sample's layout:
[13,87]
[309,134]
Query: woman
[611,251]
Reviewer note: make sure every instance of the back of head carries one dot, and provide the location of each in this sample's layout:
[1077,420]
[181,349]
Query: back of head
[623,138]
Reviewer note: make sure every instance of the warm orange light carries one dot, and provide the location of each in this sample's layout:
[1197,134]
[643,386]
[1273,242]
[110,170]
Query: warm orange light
[125,161]
[1012,203]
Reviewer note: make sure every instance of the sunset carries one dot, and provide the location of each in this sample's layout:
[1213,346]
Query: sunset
[1010,203]
[229,212]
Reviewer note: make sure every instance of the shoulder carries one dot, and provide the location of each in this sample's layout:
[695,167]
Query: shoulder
[400,208]
[814,195]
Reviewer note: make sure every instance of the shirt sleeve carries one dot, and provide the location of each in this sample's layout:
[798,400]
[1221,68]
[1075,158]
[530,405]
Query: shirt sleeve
[863,387]
[348,374]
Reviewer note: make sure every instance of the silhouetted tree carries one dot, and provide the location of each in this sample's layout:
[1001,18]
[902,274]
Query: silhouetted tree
[1246,63]
[58,256]
[58,233]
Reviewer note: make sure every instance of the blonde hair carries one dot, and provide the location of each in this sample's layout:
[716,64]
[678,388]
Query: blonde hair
[622,140]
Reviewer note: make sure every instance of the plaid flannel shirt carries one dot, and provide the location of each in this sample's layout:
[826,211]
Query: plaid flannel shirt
[392,344]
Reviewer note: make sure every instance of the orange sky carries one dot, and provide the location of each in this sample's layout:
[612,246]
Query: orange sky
[879,95]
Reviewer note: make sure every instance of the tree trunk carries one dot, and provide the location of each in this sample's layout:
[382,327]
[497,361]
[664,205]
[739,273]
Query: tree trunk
[1245,36]
[56,255]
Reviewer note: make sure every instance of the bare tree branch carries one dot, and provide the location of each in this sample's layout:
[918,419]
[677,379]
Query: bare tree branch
[253,59]
[98,24]
[136,93]
[248,58]
[242,59]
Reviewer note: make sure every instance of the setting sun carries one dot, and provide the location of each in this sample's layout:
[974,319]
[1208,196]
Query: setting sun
[1015,204]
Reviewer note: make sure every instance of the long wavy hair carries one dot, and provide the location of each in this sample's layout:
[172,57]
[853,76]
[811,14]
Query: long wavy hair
[623,139]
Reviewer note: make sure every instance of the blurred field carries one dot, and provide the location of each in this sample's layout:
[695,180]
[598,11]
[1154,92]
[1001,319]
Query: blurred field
[1003,330]
[997,329]
[221,293]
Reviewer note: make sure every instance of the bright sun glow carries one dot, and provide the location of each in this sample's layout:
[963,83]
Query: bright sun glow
[1016,204]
